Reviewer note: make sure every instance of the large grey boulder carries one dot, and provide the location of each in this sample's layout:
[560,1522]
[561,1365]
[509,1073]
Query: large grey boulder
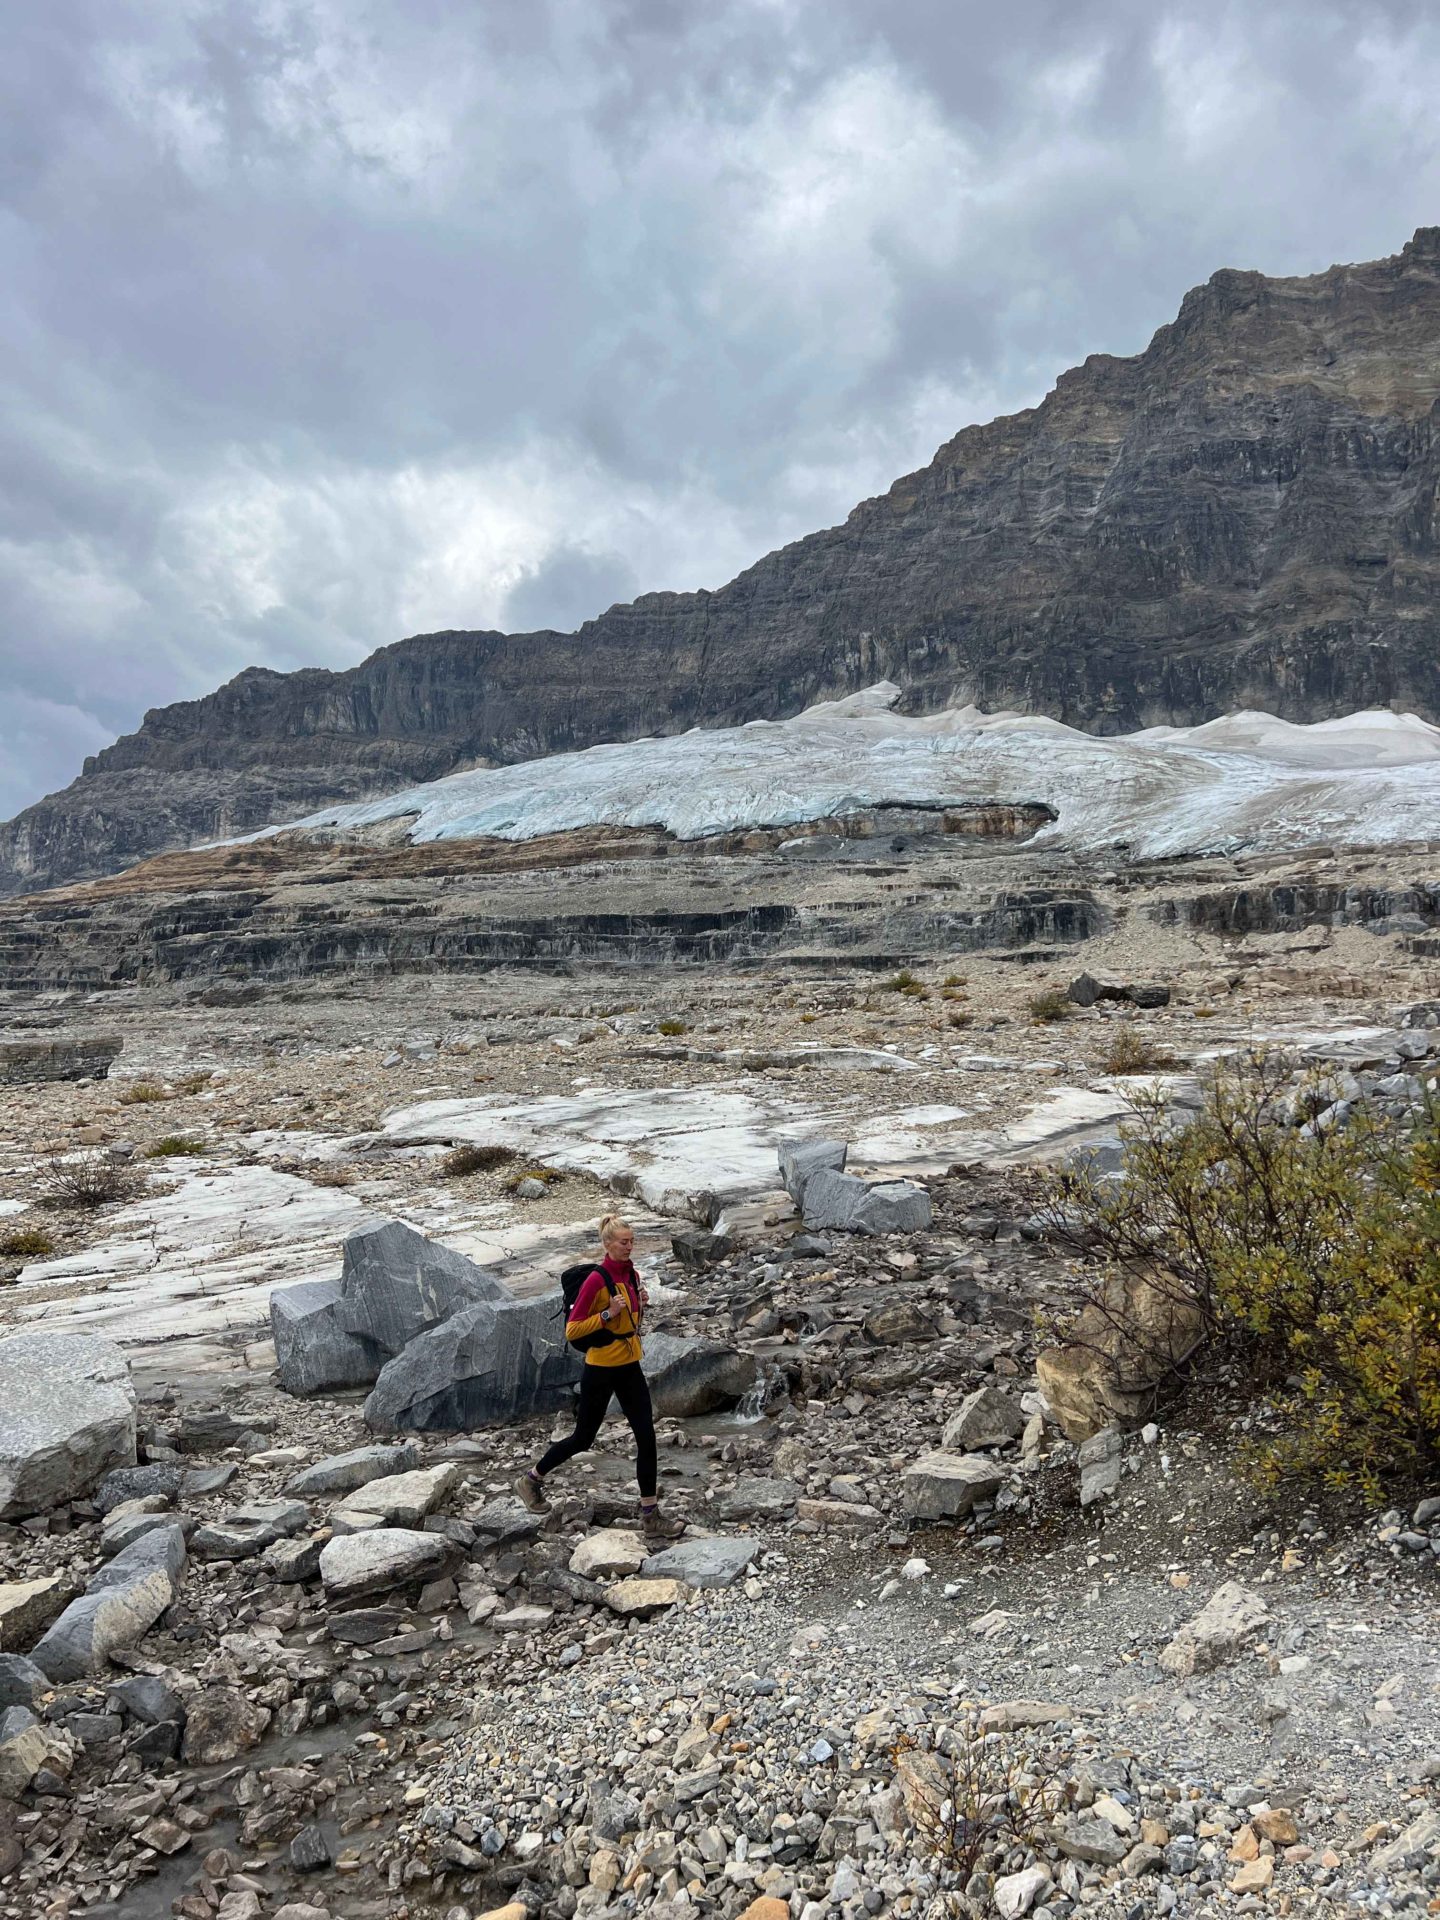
[988,1417]
[800,1159]
[343,1472]
[78,1056]
[395,1285]
[404,1499]
[840,1201]
[1231,1616]
[717,1560]
[356,1564]
[119,1606]
[67,1416]
[689,1376]
[485,1365]
[314,1352]
[248,1530]
[947,1486]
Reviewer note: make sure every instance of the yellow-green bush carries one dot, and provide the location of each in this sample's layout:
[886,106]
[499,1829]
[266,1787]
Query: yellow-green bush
[1316,1257]
[1048,1007]
[26,1243]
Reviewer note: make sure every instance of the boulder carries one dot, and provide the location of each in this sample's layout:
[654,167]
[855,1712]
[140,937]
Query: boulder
[1126,1347]
[694,1247]
[716,1560]
[1009,1716]
[343,1472]
[118,1607]
[759,1497]
[639,1597]
[1087,988]
[249,1530]
[839,1201]
[609,1553]
[357,1564]
[800,1159]
[290,1561]
[27,1607]
[78,1056]
[1222,1626]
[1081,1836]
[127,1484]
[121,1528]
[313,1351]
[484,1366]
[946,1486]
[898,1323]
[25,1747]
[67,1416]
[1101,1460]
[21,1681]
[395,1285]
[147,1698]
[691,1376]
[986,1418]
[1015,1893]
[404,1499]
[220,1724]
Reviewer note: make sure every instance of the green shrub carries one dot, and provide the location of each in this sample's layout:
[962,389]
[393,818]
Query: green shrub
[673,1027]
[143,1093]
[174,1147]
[548,1174]
[1131,1052]
[26,1243]
[1048,1007]
[468,1160]
[906,983]
[1316,1259]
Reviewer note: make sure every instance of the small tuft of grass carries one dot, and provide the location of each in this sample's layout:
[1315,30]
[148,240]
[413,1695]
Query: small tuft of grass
[26,1243]
[953,993]
[546,1174]
[1131,1052]
[906,983]
[330,1173]
[1048,1007]
[467,1160]
[959,1017]
[672,1027]
[143,1093]
[808,1019]
[174,1146]
[194,1082]
[956,980]
[90,1180]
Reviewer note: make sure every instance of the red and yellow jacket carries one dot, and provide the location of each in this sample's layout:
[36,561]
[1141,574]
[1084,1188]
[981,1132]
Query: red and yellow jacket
[611,1280]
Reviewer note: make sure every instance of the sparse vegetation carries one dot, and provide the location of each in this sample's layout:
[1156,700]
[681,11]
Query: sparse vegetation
[547,1174]
[329,1173]
[959,1017]
[1048,1007]
[1313,1257]
[143,1093]
[906,983]
[1130,1052]
[464,1161]
[956,980]
[808,1019]
[672,1027]
[986,1795]
[174,1146]
[26,1243]
[87,1180]
[194,1082]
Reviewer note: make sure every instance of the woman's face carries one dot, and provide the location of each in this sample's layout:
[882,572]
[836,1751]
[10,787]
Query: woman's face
[620,1244]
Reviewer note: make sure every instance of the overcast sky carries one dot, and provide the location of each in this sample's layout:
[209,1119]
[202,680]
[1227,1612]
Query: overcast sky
[323,322]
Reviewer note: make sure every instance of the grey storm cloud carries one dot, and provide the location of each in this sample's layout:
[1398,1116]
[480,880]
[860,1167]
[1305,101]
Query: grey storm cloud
[327,321]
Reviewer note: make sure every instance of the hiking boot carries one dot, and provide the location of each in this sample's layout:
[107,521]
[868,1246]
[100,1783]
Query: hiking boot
[658,1528]
[532,1494]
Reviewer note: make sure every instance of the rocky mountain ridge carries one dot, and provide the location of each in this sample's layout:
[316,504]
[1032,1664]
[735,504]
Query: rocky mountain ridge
[1243,515]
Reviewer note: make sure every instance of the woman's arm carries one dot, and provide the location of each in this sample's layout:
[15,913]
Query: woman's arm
[585,1314]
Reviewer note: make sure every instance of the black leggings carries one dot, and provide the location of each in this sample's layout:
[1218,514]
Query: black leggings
[597,1384]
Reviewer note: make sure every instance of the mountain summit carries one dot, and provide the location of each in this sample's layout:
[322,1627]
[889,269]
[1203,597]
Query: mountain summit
[1242,516]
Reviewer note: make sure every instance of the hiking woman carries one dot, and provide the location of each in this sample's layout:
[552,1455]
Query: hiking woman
[606,1317]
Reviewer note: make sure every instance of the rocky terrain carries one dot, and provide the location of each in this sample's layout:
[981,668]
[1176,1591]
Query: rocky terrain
[335,1668]
[1243,515]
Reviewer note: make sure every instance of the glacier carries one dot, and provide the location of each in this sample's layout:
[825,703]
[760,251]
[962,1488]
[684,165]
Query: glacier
[1243,782]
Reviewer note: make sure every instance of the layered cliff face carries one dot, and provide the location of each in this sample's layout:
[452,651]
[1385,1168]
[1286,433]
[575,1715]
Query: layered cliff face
[1244,515]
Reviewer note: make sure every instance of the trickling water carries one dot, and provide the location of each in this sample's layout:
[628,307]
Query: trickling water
[769,1385]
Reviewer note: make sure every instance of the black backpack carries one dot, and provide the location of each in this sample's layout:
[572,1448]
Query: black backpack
[571,1281]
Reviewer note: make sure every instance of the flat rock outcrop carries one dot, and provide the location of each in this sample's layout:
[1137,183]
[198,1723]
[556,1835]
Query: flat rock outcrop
[1241,516]
[67,1417]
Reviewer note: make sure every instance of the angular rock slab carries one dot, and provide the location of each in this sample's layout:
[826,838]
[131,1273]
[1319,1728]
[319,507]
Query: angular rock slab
[246,1531]
[947,1486]
[27,1607]
[78,1056]
[343,1472]
[357,1564]
[25,1747]
[610,1553]
[404,1499]
[716,1560]
[689,1376]
[1222,1626]
[801,1159]
[485,1365]
[313,1351]
[638,1596]
[839,1201]
[395,1285]
[119,1606]
[67,1416]
[985,1418]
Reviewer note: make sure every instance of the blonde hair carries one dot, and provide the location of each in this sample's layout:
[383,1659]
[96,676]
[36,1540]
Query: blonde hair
[610,1225]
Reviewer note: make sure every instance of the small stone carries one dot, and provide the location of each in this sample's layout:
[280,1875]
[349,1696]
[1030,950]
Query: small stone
[310,1850]
[1255,1876]
[640,1596]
